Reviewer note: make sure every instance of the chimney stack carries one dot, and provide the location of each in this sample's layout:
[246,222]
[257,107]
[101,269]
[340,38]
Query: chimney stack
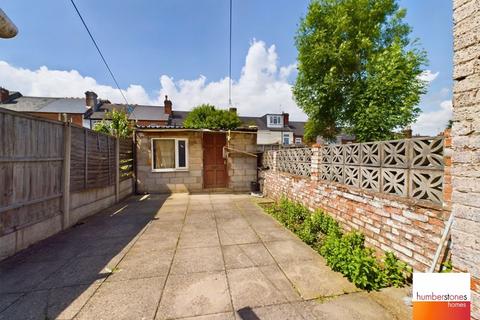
[285,119]
[4,95]
[407,132]
[91,99]
[167,104]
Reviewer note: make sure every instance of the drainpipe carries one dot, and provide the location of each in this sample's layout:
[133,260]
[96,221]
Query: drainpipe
[7,28]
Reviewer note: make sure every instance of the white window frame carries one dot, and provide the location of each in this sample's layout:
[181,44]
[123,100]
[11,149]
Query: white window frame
[177,168]
[285,135]
[298,140]
[270,122]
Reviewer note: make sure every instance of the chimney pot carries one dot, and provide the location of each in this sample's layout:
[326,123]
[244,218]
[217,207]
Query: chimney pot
[167,104]
[4,95]
[91,99]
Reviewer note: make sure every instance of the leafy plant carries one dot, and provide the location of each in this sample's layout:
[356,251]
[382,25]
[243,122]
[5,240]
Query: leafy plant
[206,116]
[396,272]
[343,252]
[358,69]
[116,123]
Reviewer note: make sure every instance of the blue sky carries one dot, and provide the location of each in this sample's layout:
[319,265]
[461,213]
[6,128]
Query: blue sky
[186,42]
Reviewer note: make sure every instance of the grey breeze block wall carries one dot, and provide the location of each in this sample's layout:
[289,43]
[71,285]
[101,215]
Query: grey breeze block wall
[241,167]
[466,144]
[169,182]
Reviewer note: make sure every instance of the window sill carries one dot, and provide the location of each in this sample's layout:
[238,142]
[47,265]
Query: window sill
[169,170]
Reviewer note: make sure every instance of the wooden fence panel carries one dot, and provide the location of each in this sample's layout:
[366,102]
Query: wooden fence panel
[90,160]
[77,160]
[93,159]
[31,157]
[126,159]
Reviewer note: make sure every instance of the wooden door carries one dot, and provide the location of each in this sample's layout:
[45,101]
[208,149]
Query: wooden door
[214,165]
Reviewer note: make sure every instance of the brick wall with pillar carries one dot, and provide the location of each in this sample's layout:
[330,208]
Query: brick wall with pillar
[466,144]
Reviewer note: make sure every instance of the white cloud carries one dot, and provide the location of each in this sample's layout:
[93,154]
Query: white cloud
[262,87]
[428,76]
[433,122]
[58,83]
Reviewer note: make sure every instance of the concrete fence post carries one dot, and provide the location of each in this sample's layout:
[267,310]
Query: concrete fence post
[316,161]
[447,174]
[117,169]
[67,150]
[274,160]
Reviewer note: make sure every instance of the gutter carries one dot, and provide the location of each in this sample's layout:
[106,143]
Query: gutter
[140,129]
[7,28]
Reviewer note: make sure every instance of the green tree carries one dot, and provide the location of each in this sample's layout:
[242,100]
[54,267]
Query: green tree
[115,124]
[205,116]
[358,69]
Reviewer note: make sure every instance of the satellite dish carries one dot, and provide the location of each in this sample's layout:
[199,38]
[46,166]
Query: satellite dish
[7,28]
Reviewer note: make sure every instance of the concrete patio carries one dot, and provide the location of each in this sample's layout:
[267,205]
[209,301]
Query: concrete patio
[182,257]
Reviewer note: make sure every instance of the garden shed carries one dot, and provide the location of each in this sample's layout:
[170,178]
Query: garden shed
[172,159]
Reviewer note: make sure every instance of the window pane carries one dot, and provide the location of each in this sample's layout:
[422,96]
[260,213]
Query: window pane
[164,154]
[182,154]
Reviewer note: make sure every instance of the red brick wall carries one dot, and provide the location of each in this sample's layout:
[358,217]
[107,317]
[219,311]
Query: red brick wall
[71,117]
[411,229]
[389,223]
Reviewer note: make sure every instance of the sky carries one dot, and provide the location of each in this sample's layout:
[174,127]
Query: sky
[180,48]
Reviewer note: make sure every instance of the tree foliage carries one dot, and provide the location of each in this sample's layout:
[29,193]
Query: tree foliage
[358,69]
[205,116]
[115,124]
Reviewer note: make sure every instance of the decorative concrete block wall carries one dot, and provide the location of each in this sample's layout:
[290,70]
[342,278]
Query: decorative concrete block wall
[466,144]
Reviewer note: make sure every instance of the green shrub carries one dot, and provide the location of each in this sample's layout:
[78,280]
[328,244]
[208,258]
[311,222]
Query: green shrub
[396,272]
[343,252]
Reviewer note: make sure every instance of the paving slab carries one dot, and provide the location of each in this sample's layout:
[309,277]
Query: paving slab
[355,306]
[284,311]
[273,233]
[83,270]
[65,303]
[246,255]
[33,306]
[259,286]
[217,316]
[198,239]
[26,276]
[8,299]
[315,280]
[191,260]
[61,303]
[292,250]
[182,256]
[229,236]
[194,294]
[131,299]
[392,299]
[139,264]
[157,240]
